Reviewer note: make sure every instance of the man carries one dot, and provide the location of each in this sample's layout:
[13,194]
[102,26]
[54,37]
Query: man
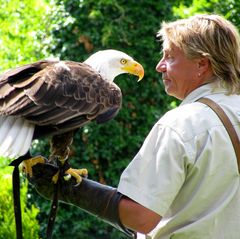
[184,182]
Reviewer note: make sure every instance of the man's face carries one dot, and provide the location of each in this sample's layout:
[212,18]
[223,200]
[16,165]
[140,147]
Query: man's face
[180,74]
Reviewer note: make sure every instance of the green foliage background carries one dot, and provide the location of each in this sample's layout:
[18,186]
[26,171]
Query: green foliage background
[21,31]
[74,29]
[7,222]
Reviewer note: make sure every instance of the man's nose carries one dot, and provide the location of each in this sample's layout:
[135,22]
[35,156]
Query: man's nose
[161,66]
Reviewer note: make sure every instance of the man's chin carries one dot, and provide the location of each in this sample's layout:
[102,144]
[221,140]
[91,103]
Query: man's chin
[170,92]
[167,84]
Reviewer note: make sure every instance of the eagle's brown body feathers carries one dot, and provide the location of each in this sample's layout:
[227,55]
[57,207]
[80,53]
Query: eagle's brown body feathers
[58,96]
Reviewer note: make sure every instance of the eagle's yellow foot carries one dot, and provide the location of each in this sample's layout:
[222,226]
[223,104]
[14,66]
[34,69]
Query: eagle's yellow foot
[29,163]
[76,173]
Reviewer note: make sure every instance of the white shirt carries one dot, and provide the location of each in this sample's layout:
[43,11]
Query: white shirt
[186,170]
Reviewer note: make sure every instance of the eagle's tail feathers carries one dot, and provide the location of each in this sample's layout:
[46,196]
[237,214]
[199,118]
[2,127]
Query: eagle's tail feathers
[15,136]
[28,140]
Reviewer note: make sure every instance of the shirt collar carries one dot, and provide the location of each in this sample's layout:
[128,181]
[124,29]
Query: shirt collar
[204,91]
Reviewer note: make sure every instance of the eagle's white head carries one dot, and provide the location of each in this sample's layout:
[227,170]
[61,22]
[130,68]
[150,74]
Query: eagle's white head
[111,63]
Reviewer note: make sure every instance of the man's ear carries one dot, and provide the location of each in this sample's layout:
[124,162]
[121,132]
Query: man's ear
[203,65]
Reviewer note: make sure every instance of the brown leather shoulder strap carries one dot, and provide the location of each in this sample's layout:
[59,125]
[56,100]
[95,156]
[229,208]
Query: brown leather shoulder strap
[228,125]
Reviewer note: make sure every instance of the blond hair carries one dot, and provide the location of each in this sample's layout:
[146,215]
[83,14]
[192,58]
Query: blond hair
[209,36]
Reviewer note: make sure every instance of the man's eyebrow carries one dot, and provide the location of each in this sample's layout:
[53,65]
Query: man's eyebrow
[166,50]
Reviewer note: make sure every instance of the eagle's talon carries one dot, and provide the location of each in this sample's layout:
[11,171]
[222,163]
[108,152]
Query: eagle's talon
[76,185]
[76,173]
[67,177]
[29,163]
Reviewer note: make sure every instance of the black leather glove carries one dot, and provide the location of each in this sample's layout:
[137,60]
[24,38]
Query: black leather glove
[93,197]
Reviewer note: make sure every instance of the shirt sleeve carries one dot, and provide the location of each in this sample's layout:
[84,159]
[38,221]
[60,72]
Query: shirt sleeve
[156,174]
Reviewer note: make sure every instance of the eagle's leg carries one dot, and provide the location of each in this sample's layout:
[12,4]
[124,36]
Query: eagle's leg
[29,163]
[60,148]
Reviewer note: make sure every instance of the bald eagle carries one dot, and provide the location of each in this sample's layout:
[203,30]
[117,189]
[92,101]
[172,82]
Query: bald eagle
[56,98]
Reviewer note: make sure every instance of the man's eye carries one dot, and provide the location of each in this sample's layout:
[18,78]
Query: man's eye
[123,61]
[168,55]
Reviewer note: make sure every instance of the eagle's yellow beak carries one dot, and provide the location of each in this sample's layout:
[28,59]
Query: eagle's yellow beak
[134,68]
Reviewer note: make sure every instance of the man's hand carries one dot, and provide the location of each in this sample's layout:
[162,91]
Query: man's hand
[42,179]
[93,197]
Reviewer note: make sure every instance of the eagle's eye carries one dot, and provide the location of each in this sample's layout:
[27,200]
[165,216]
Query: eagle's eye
[123,61]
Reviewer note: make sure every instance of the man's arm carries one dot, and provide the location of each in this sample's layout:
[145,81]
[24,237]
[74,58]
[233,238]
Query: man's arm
[100,200]
[137,217]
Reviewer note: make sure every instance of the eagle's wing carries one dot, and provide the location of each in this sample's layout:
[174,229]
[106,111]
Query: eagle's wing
[58,96]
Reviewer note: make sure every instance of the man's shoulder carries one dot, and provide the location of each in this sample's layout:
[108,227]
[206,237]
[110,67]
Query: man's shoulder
[185,113]
[189,120]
